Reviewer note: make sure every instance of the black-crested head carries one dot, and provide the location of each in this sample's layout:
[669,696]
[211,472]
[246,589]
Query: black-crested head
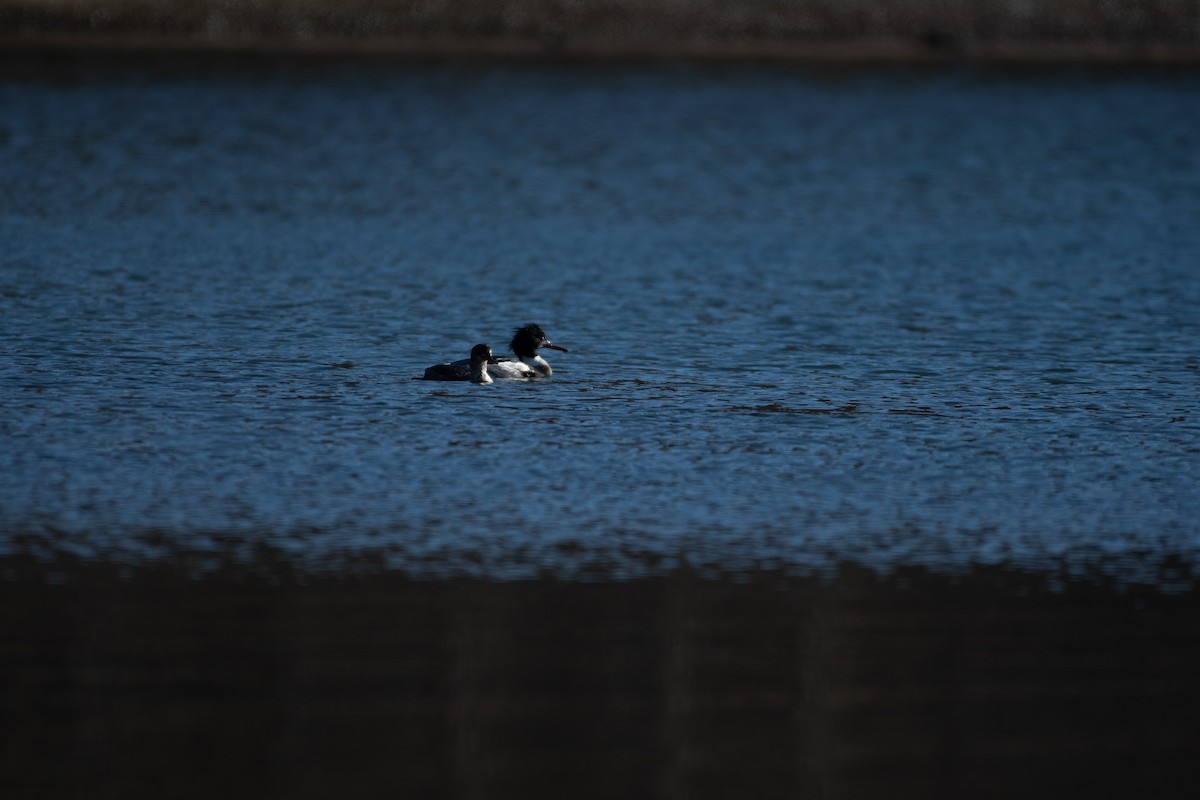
[528,339]
[481,353]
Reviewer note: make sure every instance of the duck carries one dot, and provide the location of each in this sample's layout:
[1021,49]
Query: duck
[526,342]
[474,369]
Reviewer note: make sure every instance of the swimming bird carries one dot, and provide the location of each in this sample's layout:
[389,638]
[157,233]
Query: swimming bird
[474,369]
[526,342]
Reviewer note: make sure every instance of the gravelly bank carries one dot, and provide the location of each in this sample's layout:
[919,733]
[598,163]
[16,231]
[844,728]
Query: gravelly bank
[1157,30]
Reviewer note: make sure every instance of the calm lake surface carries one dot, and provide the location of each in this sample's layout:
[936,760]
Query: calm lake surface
[937,319]
[871,472]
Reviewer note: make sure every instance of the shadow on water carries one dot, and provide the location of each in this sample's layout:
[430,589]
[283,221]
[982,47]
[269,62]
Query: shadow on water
[262,680]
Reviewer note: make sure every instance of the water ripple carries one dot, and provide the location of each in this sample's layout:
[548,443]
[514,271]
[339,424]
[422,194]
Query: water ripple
[941,321]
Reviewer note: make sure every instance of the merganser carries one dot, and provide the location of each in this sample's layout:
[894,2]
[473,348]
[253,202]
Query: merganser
[526,342]
[474,369]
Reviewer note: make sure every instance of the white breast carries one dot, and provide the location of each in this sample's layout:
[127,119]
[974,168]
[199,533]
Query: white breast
[511,370]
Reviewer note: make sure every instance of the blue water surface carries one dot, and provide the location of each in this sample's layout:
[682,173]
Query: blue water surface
[897,318]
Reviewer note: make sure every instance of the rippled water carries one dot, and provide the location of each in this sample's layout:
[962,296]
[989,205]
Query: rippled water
[894,318]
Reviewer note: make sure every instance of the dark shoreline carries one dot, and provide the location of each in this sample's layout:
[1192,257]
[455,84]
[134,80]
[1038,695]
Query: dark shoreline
[137,681]
[818,52]
[804,29]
